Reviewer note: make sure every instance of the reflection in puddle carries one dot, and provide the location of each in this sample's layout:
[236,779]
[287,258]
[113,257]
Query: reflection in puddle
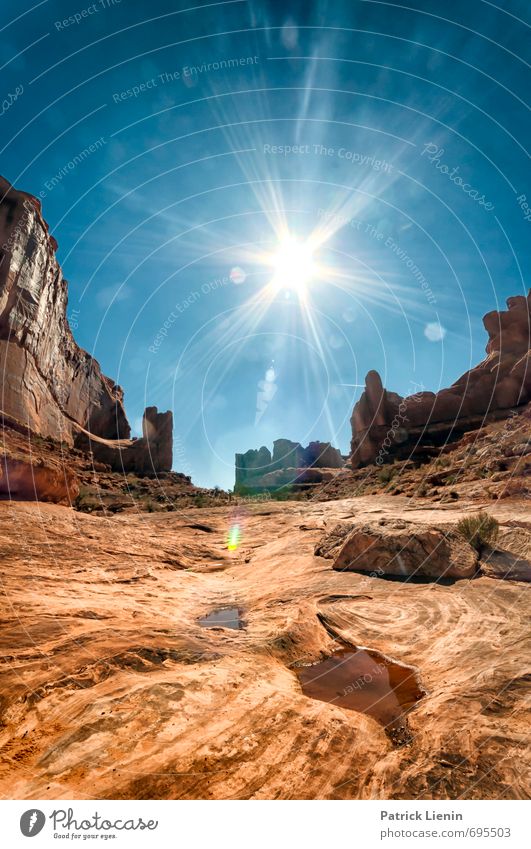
[367,682]
[223,617]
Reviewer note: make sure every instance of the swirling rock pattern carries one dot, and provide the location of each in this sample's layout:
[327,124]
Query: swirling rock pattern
[112,689]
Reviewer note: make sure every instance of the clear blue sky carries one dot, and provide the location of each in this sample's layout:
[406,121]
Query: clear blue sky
[159,180]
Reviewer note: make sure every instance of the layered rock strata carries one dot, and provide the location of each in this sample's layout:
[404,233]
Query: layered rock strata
[49,384]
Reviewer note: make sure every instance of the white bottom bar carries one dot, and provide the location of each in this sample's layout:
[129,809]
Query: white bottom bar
[287,825]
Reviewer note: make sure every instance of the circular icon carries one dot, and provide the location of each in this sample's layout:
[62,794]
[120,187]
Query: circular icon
[238,275]
[32,822]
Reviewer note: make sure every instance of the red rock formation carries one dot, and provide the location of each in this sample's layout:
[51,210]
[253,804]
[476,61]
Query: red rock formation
[49,384]
[290,464]
[385,425]
[146,456]
[322,455]
[24,481]
[48,381]
[399,548]
[30,470]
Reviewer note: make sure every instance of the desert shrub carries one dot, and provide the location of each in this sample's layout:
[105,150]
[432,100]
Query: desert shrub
[385,474]
[480,530]
[285,493]
[87,500]
[241,489]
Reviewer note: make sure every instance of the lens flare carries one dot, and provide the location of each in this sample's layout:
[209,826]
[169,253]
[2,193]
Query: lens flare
[238,275]
[233,538]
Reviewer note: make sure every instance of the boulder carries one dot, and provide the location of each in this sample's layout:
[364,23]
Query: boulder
[332,542]
[32,468]
[399,548]
[23,480]
[511,559]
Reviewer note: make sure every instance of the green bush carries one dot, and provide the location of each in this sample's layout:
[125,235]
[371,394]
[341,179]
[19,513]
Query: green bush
[480,530]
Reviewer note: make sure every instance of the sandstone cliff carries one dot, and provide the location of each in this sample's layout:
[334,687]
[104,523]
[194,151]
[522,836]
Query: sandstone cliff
[49,384]
[386,426]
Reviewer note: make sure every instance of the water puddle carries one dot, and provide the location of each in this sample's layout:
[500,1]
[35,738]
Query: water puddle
[368,682]
[223,617]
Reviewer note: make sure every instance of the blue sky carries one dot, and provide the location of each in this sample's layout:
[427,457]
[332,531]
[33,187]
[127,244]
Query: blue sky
[174,148]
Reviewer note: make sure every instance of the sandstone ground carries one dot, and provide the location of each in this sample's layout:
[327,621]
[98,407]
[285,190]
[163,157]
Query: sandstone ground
[111,688]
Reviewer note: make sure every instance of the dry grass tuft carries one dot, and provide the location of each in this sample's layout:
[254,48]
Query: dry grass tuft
[480,530]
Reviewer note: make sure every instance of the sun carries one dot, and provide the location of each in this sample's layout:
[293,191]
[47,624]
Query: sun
[294,265]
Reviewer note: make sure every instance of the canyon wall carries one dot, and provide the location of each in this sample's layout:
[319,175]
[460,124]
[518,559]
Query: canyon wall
[386,426]
[48,383]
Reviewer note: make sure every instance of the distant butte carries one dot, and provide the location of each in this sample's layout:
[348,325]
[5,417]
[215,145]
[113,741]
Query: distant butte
[290,465]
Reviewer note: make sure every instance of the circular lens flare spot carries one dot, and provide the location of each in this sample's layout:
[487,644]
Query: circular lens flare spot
[238,275]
